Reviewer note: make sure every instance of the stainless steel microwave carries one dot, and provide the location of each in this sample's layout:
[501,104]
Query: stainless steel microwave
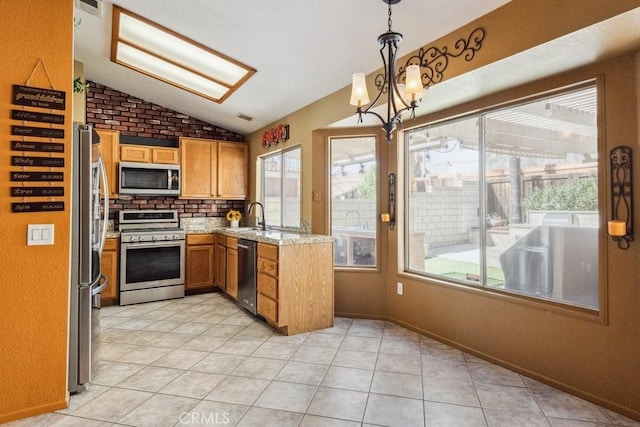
[149,178]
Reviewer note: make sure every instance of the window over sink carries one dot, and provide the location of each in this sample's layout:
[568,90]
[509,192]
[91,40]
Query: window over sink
[281,177]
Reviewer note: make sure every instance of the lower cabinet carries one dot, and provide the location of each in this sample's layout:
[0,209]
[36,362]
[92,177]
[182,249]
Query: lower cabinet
[199,261]
[232,267]
[109,267]
[295,286]
[221,261]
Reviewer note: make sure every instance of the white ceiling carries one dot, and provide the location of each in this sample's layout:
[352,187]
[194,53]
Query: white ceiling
[302,50]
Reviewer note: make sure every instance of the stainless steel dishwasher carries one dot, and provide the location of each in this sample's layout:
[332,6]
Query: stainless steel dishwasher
[247,292]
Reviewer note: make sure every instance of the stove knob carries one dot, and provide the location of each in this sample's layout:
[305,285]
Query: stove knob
[141,238]
[176,237]
[153,238]
[167,237]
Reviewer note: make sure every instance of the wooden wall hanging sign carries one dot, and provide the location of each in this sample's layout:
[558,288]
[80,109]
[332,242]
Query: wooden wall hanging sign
[36,176]
[49,162]
[42,147]
[37,207]
[32,116]
[37,191]
[37,132]
[39,97]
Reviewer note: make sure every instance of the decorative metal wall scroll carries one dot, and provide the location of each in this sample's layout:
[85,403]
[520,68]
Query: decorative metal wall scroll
[392,200]
[434,61]
[621,226]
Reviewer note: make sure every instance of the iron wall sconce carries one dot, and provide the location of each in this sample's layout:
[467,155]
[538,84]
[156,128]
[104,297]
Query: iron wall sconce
[621,225]
[390,216]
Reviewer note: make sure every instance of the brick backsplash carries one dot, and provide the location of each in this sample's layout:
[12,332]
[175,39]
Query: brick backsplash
[108,108]
[186,208]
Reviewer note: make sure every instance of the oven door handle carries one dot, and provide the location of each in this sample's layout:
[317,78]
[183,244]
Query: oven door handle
[153,244]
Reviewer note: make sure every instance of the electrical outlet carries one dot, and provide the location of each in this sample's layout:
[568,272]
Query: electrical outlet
[400,289]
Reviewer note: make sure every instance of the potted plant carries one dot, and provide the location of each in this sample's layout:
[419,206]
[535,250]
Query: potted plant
[234,217]
[495,220]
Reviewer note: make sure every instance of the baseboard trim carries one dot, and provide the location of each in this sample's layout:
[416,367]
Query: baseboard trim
[36,410]
[628,412]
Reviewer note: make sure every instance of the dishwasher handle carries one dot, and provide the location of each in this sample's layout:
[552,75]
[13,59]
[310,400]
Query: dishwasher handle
[246,244]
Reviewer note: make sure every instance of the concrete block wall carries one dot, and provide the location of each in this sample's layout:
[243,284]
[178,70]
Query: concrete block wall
[445,215]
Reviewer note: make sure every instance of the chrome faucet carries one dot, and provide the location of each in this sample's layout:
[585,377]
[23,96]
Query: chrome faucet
[263,223]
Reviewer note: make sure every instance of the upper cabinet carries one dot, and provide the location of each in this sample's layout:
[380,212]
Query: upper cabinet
[109,147]
[148,154]
[233,159]
[198,168]
[213,169]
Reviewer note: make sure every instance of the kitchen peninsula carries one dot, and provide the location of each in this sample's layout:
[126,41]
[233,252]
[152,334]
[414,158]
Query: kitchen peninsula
[294,272]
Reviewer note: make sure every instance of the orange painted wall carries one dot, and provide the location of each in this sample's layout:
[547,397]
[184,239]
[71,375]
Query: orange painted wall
[34,280]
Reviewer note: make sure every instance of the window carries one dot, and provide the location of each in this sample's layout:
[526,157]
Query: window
[281,188]
[508,199]
[354,200]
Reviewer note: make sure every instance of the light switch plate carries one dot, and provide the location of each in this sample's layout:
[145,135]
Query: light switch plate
[39,234]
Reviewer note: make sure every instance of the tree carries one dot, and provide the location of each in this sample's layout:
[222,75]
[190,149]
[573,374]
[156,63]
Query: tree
[575,195]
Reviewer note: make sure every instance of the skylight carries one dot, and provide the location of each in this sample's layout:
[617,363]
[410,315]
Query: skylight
[161,53]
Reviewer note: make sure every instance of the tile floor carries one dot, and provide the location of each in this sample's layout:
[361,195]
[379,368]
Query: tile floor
[202,361]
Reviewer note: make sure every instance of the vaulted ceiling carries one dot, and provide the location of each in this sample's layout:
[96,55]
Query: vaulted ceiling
[302,50]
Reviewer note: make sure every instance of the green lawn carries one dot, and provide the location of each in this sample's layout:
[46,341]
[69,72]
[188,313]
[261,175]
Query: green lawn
[461,270]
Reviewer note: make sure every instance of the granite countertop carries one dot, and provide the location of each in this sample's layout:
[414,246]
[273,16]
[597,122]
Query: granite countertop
[112,234]
[217,225]
[274,237]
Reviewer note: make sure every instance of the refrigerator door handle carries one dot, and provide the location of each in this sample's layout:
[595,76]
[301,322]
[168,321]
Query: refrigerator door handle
[105,218]
[97,289]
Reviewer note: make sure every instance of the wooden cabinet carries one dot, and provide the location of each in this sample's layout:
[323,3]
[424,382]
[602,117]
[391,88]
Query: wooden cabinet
[221,262]
[232,267]
[109,267]
[149,154]
[170,156]
[295,286]
[213,169]
[110,149]
[267,282]
[199,261]
[233,162]
[135,153]
[198,168]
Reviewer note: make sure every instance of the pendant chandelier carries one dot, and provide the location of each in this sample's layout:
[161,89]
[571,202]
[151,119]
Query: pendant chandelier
[405,89]
[401,97]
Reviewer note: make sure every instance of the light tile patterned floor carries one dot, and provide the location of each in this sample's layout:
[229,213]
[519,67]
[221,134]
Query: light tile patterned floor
[203,361]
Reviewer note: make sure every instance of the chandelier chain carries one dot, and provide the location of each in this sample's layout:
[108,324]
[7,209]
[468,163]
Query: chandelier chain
[389,21]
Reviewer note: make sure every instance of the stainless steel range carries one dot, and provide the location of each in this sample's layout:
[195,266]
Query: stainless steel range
[152,250]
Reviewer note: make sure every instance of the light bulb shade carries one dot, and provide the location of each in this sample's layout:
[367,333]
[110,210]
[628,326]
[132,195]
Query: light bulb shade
[413,89]
[359,94]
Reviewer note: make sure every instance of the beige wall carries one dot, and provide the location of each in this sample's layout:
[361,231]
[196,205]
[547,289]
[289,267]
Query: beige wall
[594,357]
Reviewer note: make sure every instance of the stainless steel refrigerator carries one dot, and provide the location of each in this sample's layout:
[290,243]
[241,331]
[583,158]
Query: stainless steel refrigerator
[88,232]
